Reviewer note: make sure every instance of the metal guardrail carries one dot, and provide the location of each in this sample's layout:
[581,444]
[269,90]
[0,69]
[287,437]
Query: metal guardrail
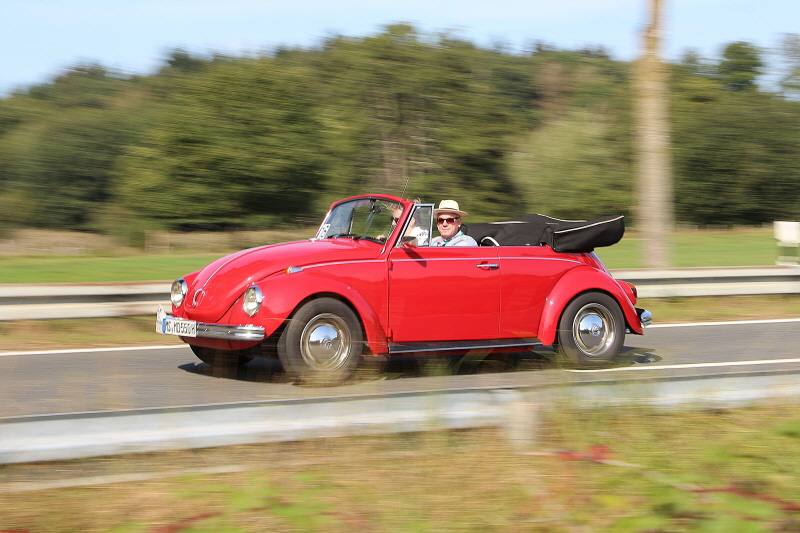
[93,300]
[718,281]
[515,410]
[81,300]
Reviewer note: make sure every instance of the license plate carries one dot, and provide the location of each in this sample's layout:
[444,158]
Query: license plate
[169,325]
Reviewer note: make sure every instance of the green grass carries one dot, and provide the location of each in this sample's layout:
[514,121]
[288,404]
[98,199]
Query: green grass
[700,248]
[744,247]
[81,269]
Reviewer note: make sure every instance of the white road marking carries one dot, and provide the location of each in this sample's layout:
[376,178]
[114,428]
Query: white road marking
[96,350]
[730,323]
[689,365]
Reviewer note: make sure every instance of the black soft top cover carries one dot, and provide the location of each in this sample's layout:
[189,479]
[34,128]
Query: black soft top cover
[560,235]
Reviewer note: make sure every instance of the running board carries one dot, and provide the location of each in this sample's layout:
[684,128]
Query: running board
[415,347]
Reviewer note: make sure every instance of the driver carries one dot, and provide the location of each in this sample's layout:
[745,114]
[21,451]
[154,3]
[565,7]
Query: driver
[448,222]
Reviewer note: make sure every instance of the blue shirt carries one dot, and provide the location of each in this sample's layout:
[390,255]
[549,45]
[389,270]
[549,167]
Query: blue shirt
[458,240]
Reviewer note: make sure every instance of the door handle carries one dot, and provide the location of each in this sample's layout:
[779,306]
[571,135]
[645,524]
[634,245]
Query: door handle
[488,266]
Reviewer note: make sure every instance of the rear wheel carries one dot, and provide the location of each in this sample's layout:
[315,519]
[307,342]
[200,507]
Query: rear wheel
[220,358]
[322,342]
[591,331]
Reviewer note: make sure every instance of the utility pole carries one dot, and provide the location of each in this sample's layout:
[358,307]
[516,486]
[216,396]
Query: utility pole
[655,218]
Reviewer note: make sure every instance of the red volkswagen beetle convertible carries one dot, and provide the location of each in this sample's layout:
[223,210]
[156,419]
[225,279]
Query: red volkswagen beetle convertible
[369,284]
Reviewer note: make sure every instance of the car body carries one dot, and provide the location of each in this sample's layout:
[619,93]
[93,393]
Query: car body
[369,284]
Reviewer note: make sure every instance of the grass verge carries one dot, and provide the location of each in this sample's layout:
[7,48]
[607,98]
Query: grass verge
[624,470]
[87,269]
[700,248]
[81,333]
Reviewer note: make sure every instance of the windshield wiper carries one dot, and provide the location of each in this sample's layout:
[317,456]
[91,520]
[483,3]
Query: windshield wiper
[355,237]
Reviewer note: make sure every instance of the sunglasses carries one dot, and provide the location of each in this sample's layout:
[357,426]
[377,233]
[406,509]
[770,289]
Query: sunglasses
[449,220]
[395,220]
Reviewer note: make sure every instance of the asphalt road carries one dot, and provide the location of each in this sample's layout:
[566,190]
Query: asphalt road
[33,383]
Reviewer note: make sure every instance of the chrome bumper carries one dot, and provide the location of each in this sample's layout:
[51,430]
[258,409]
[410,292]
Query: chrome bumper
[645,316]
[228,332]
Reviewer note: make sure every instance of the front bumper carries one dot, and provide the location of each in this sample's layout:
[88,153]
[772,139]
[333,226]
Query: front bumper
[167,324]
[230,332]
[645,317]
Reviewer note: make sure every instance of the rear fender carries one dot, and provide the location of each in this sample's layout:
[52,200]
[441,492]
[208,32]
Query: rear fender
[575,282]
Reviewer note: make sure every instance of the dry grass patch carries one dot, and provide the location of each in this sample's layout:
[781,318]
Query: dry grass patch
[81,333]
[632,469]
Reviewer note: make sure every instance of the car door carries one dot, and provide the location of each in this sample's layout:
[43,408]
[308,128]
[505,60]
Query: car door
[443,294]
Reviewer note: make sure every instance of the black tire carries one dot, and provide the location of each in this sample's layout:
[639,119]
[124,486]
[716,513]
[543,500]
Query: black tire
[591,331]
[220,358]
[322,342]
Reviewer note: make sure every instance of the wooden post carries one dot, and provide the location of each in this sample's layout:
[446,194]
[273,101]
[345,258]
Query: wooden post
[655,218]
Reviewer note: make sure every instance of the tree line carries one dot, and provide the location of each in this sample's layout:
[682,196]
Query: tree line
[268,141]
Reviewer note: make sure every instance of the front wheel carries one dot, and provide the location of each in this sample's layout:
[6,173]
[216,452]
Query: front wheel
[591,331]
[322,342]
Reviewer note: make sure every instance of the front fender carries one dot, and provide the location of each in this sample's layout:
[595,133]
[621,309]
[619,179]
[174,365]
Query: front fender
[577,281]
[283,293]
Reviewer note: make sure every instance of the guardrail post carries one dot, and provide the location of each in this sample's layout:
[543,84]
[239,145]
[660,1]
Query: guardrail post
[521,427]
[788,237]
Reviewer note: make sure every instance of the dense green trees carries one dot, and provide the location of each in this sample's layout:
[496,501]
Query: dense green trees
[236,146]
[59,146]
[735,149]
[249,142]
[576,161]
[424,117]
[740,67]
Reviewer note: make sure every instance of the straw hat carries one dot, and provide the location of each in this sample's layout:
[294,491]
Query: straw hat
[448,206]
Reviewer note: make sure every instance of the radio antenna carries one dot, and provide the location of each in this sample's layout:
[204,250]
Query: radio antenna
[408,177]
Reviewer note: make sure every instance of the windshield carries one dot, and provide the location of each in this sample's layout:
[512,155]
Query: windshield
[372,219]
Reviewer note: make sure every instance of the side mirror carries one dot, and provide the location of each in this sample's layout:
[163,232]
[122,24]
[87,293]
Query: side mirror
[409,241]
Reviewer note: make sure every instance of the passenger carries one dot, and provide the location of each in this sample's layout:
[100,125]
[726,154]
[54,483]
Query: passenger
[397,212]
[448,222]
[414,229]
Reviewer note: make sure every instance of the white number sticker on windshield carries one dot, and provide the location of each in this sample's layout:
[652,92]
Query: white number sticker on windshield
[323,230]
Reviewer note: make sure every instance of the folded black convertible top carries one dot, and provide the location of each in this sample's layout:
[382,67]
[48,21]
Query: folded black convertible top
[560,235]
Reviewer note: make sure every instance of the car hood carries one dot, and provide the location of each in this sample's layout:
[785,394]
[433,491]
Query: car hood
[217,286]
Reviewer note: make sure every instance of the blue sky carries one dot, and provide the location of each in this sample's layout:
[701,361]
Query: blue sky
[39,38]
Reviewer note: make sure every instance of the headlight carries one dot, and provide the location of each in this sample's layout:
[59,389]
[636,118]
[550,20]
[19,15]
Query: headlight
[251,301]
[178,292]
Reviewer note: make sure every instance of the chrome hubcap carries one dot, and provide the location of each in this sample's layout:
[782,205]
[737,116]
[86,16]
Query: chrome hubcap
[325,342]
[593,329]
